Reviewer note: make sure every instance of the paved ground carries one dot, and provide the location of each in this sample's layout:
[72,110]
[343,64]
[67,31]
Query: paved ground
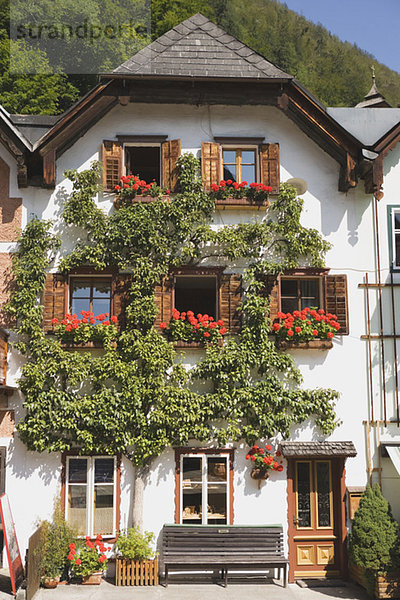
[198,591]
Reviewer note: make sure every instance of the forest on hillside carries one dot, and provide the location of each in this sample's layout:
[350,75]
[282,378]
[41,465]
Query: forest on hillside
[338,73]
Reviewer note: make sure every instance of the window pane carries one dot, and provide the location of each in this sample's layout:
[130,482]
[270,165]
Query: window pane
[309,289]
[248,173]
[397,220]
[80,289]
[323,495]
[104,470]
[216,469]
[191,469]
[144,161]
[101,289]
[77,508]
[77,470]
[230,172]
[288,305]
[216,504]
[229,156]
[303,494]
[197,294]
[248,156]
[100,306]
[79,304]
[289,287]
[192,503]
[103,509]
[397,243]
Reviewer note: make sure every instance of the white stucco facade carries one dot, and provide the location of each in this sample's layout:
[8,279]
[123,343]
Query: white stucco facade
[346,220]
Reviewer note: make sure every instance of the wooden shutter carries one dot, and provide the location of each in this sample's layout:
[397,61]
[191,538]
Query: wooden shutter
[335,287]
[271,291]
[49,168]
[171,151]
[164,300]
[112,164]
[54,293]
[270,166]
[210,164]
[230,298]
[120,297]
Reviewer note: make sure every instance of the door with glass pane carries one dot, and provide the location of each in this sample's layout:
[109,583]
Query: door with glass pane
[314,528]
[204,497]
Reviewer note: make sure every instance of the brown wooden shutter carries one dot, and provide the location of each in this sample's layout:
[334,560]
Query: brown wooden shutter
[230,298]
[171,151]
[49,168]
[336,300]
[120,297]
[270,166]
[163,295]
[271,291]
[112,164]
[54,294]
[210,164]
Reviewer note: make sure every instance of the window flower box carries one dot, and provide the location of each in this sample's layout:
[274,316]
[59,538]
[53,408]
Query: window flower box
[306,329]
[132,189]
[231,193]
[86,332]
[190,331]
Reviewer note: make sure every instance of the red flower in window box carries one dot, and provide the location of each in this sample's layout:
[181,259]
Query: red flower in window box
[81,331]
[184,327]
[255,193]
[263,461]
[306,325]
[132,186]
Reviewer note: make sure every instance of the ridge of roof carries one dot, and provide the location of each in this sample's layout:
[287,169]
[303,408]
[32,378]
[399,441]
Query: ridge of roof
[197,47]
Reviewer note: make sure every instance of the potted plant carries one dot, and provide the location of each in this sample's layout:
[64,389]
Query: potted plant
[187,327]
[88,560]
[100,329]
[136,562]
[55,538]
[131,187]
[226,190]
[308,328]
[374,546]
[263,461]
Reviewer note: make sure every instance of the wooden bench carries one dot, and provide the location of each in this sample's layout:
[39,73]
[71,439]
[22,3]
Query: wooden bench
[223,547]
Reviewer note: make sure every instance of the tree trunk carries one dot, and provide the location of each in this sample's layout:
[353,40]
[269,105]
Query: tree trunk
[138,492]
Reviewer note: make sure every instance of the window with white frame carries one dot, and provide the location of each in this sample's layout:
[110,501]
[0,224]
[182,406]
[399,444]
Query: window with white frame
[395,245]
[204,489]
[90,499]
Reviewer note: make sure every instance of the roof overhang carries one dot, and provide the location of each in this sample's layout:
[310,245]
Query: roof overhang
[318,449]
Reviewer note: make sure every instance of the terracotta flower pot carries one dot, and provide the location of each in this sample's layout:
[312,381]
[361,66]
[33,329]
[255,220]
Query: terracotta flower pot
[259,474]
[50,582]
[93,578]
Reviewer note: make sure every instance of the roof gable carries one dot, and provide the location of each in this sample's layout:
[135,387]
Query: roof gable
[199,48]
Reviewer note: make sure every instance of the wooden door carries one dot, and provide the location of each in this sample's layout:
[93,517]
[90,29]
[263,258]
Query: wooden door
[316,512]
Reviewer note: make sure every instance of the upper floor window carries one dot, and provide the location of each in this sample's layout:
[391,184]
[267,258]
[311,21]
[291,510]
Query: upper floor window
[239,164]
[298,293]
[91,490]
[90,294]
[394,233]
[144,161]
[196,293]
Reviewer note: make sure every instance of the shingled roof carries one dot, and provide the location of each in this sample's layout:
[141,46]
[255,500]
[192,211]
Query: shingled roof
[329,449]
[199,48]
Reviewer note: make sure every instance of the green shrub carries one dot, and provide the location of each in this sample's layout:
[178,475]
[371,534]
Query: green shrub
[374,542]
[136,545]
[56,535]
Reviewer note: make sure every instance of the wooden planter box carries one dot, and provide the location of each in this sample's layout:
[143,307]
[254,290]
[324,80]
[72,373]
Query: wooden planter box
[385,587]
[311,345]
[136,572]
[242,202]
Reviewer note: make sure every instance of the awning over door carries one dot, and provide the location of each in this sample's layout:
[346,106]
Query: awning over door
[394,453]
[316,449]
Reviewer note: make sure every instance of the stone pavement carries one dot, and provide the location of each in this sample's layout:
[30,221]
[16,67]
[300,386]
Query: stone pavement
[202,591]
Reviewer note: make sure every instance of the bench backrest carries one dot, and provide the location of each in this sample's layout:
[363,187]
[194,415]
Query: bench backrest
[179,540]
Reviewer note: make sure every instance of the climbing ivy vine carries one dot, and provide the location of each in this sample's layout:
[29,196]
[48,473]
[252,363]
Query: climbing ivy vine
[137,398]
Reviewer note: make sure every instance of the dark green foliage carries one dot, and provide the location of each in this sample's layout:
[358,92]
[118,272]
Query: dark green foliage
[141,399]
[56,535]
[374,540]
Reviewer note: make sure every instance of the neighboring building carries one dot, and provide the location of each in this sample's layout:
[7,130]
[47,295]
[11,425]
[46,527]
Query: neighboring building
[197,89]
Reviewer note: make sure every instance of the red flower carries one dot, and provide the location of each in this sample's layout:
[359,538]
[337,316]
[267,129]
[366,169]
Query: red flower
[297,329]
[92,321]
[72,546]
[253,458]
[68,328]
[265,460]
[314,332]
[70,556]
[276,326]
[277,453]
[54,321]
[215,187]
[163,325]
[268,447]
[261,450]
[281,315]
[280,468]
[290,333]
[78,561]
[206,334]
[102,558]
[106,323]
[247,456]
[329,335]
[114,319]
[222,183]
[223,330]
[275,465]
[229,181]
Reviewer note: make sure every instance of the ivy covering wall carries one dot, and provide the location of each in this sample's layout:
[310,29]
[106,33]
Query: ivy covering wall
[137,397]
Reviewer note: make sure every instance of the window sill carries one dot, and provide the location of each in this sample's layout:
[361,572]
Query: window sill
[69,345]
[242,202]
[310,345]
[194,345]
